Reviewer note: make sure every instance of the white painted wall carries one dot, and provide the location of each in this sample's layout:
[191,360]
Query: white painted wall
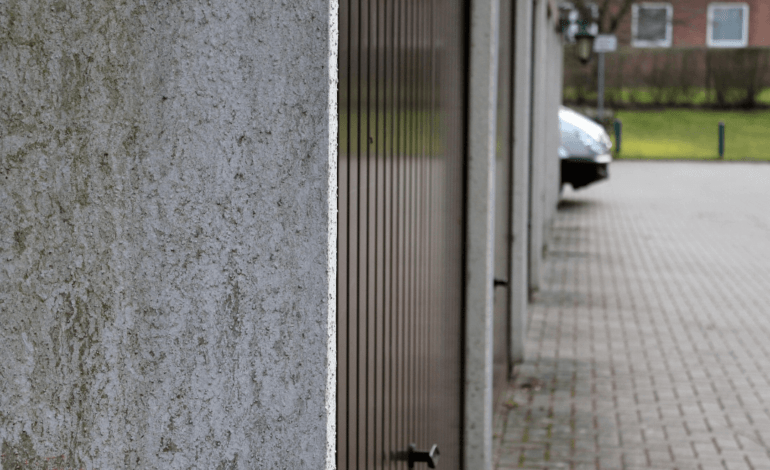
[167,229]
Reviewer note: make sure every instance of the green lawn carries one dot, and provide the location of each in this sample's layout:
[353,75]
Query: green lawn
[693,134]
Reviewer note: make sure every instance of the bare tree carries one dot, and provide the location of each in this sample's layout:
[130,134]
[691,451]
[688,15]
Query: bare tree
[611,12]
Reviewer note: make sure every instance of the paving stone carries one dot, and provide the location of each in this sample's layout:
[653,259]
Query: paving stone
[647,343]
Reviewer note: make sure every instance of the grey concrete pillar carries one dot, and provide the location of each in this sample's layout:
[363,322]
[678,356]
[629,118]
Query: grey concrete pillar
[167,234]
[522,108]
[484,30]
[538,163]
[558,83]
[553,97]
[550,143]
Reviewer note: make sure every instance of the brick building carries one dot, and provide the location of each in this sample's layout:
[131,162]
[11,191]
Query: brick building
[696,24]
[672,49]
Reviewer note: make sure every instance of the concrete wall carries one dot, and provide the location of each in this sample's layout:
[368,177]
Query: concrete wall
[167,217]
[535,130]
[167,229]
[522,108]
[480,234]
[552,184]
[544,134]
[538,147]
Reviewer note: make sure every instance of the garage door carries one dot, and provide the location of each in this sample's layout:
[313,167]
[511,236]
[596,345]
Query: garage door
[401,184]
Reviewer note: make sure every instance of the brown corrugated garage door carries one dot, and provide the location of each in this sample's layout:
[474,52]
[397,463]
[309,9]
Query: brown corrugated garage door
[402,103]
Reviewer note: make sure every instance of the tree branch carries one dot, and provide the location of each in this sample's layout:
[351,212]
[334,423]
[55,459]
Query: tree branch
[615,20]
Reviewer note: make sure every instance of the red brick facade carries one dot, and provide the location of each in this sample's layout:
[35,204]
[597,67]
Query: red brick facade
[690,19]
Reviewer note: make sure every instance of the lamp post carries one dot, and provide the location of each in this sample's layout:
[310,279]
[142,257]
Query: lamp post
[580,31]
[585,45]
[583,33]
[577,30]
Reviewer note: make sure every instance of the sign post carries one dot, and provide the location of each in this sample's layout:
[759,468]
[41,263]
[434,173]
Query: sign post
[603,43]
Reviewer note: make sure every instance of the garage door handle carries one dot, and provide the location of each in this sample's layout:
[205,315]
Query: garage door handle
[429,456]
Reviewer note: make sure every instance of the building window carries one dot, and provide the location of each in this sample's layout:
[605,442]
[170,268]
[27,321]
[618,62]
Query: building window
[651,24]
[728,25]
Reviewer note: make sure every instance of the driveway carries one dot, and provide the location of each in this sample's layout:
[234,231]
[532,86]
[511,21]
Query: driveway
[649,341]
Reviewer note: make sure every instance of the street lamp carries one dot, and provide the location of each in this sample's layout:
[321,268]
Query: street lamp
[585,44]
[577,30]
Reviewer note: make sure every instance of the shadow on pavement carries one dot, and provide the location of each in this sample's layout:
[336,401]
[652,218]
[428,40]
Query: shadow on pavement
[567,205]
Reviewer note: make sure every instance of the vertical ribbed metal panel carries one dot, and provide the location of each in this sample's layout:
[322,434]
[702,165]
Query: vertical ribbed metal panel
[402,102]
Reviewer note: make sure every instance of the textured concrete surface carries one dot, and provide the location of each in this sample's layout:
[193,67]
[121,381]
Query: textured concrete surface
[540,135]
[554,75]
[648,345]
[522,102]
[166,204]
[480,233]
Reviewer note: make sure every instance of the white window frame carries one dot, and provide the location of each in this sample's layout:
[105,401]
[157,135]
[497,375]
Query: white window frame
[635,24]
[743,42]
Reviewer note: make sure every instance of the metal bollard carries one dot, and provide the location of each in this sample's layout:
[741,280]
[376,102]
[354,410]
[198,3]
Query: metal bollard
[721,140]
[618,135]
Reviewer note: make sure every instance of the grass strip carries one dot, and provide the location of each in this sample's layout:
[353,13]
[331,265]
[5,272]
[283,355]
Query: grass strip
[693,134]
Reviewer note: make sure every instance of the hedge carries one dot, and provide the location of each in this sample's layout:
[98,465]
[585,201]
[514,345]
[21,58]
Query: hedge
[731,78]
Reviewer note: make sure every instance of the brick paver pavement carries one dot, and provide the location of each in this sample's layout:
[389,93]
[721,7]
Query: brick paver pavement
[649,341]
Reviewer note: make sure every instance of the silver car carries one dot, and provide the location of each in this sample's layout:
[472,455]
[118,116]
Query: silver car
[584,151]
